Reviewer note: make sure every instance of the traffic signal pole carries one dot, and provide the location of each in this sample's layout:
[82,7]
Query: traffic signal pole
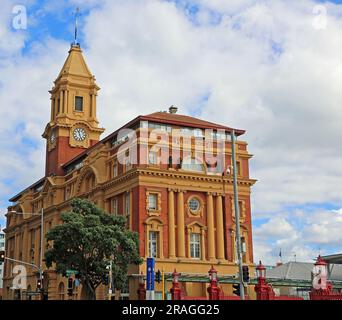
[110,289]
[41,251]
[237,216]
[163,284]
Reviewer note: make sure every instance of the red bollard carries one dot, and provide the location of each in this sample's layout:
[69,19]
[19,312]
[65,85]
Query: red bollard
[141,290]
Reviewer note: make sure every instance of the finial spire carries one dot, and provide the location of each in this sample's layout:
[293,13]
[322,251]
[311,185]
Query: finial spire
[77,14]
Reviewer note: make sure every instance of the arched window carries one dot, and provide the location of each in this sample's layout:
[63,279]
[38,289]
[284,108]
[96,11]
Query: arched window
[154,237]
[89,182]
[196,240]
[193,164]
[61,291]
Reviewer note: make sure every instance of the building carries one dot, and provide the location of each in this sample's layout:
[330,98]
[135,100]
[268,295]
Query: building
[2,248]
[177,193]
[300,274]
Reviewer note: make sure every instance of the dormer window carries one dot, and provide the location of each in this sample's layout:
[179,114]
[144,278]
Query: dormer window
[79,104]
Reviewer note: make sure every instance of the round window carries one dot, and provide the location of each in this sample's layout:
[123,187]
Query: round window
[194,204]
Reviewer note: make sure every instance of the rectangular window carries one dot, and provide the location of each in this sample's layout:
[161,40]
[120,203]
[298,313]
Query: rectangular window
[127,203]
[58,106]
[143,124]
[198,133]
[195,245]
[153,244]
[115,206]
[128,165]
[152,201]
[79,103]
[115,169]
[153,157]
[240,208]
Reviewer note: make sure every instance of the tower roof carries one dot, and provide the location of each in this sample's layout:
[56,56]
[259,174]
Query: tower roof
[75,64]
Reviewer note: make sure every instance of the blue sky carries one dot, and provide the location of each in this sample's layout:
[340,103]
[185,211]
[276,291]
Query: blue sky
[268,67]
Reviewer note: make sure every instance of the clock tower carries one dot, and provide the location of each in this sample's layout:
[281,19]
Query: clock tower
[73,125]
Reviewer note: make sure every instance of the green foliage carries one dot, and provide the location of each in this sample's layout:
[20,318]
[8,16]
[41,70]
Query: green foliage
[87,240]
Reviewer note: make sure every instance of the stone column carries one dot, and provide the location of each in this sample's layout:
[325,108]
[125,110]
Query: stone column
[94,107]
[210,225]
[61,101]
[91,104]
[17,244]
[56,105]
[66,102]
[26,245]
[52,108]
[36,246]
[219,228]
[172,249]
[180,224]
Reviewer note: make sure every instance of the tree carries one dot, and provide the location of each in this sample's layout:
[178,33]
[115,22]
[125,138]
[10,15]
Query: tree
[86,240]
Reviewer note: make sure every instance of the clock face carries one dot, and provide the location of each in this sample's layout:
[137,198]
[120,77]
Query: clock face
[79,134]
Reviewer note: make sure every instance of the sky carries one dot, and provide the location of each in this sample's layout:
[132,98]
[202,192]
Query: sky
[273,68]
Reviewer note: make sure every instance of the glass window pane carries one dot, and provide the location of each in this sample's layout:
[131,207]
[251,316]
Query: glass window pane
[153,244]
[79,103]
[152,201]
[195,248]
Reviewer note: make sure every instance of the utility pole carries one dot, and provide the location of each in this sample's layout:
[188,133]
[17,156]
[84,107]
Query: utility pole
[163,284]
[237,216]
[41,251]
[110,289]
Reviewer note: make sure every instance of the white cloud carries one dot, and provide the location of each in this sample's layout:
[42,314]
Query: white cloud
[324,228]
[276,227]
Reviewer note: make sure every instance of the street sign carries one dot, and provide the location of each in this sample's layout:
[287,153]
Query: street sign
[150,263]
[71,272]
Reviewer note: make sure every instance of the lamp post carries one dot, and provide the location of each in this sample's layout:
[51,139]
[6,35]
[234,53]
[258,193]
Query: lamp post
[213,289]
[263,290]
[40,267]
[237,216]
[175,290]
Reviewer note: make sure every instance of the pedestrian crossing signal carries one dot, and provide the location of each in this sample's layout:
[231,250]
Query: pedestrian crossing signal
[236,289]
[158,276]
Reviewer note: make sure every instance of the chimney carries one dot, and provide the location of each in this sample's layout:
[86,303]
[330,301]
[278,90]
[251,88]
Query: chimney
[173,109]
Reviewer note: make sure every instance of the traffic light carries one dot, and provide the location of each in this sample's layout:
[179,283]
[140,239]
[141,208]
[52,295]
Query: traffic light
[70,286]
[158,276]
[39,284]
[106,279]
[2,256]
[245,274]
[236,289]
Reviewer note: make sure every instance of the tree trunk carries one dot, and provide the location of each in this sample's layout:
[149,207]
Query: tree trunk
[90,292]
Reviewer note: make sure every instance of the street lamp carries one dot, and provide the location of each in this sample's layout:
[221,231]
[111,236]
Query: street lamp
[261,271]
[41,214]
[212,274]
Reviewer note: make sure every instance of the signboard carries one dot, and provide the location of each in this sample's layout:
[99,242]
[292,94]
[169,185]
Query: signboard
[150,264]
[71,272]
